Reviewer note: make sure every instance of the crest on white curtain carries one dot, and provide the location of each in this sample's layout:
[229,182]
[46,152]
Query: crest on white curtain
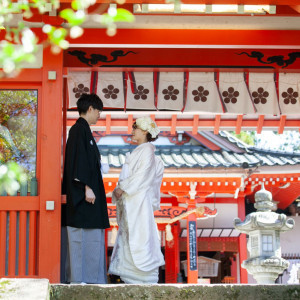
[78,83]
[263,91]
[170,94]
[140,90]
[289,86]
[202,93]
[235,94]
[110,88]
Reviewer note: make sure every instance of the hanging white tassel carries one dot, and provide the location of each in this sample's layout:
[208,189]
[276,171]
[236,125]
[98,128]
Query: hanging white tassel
[169,235]
[113,236]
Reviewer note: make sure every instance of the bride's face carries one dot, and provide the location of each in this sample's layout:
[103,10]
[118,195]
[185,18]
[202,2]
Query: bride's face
[138,135]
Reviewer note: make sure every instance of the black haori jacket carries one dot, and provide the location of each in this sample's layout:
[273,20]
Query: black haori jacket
[82,167]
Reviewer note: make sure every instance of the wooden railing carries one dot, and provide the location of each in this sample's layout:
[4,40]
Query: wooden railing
[19,236]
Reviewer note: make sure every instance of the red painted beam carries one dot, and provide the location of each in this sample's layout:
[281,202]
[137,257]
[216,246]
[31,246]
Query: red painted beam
[260,123]
[188,123]
[129,124]
[20,203]
[195,125]
[281,124]
[107,121]
[245,2]
[239,122]
[217,124]
[173,124]
[190,37]
[26,75]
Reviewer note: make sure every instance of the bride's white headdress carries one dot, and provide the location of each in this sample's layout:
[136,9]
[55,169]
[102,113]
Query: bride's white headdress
[146,123]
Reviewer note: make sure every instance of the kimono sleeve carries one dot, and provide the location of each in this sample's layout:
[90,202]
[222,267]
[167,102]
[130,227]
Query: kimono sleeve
[143,176]
[81,168]
[159,173]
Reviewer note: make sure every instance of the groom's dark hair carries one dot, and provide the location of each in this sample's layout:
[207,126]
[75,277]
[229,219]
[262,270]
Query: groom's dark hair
[87,100]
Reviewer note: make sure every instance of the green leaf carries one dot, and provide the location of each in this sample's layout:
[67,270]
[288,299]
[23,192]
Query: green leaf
[76,5]
[123,15]
[74,19]
[67,14]
[8,49]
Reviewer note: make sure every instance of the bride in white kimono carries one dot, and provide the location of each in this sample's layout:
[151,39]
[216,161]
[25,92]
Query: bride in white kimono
[137,254]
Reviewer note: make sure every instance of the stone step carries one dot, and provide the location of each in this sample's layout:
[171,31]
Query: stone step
[174,291]
[40,289]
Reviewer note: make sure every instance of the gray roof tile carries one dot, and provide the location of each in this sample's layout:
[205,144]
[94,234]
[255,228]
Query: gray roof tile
[287,160]
[275,160]
[168,159]
[241,158]
[210,159]
[265,160]
[218,156]
[252,158]
[296,159]
[231,158]
[189,156]
[202,162]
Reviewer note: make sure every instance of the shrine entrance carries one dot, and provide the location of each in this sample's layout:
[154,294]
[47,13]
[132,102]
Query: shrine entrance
[196,83]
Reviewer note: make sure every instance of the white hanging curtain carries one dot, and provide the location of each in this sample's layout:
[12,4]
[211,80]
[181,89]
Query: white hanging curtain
[140,90]
[110,89]
[235,93]
[195,91]
[202,93]
[263,91]
[289,89]
[78,83]
[170,93]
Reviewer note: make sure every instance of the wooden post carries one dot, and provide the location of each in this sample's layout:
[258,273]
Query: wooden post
[192,252]
[242,241]
[233,268]
[172,256]
[50,121]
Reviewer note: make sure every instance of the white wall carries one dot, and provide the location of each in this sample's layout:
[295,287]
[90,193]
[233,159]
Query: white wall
[290,241]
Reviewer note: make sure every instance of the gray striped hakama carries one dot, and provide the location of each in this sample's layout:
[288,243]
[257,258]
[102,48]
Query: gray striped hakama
[86,255]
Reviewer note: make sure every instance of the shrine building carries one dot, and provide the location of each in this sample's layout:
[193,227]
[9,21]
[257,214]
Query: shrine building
[199,72]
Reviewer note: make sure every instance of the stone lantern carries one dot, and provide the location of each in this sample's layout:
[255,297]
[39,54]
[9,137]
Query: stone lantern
[264,227]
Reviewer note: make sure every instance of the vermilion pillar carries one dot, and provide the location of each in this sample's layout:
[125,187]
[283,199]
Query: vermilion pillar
[242,241]
[172,256]
[192,251]
[233,268]
[50,120]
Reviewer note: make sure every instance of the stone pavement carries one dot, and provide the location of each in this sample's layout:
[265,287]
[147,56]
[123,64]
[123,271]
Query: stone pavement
[40,289]
[24,289]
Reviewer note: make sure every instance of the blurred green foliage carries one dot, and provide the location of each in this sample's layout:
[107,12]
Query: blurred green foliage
[11,176]
[18,126]
[248,137]
[20,43]
[270,140]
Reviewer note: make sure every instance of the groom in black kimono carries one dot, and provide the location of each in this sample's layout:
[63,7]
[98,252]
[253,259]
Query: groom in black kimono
[86,209]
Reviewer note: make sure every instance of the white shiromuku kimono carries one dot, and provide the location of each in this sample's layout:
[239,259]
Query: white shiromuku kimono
[137,252]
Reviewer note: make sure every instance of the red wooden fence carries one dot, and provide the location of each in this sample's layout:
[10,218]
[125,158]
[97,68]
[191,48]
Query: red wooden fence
[19,235]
